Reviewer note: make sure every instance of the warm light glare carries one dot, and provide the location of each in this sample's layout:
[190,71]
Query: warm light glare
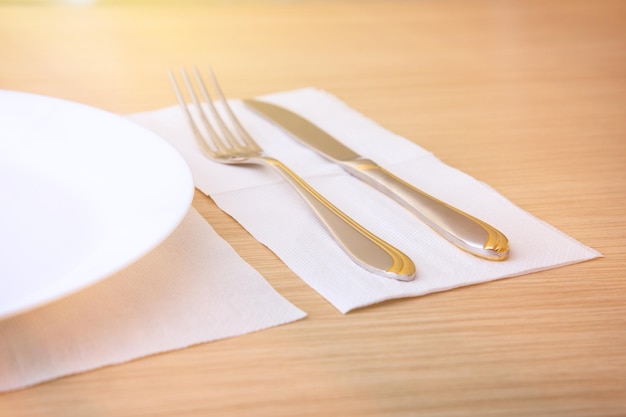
[77,2]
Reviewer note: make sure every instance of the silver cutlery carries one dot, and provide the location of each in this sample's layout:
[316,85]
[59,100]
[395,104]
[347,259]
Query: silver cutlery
[463,230]
[236,146]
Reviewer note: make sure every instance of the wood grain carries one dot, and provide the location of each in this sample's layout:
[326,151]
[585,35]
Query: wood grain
[529,97]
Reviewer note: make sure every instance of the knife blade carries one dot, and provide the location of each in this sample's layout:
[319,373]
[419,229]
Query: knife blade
[459,228]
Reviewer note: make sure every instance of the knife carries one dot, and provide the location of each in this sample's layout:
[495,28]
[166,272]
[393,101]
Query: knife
[463,230]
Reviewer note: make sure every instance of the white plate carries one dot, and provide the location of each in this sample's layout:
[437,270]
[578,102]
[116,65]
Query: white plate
[83,194]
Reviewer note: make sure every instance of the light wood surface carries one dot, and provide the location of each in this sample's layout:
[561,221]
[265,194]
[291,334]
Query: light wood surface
[528,96]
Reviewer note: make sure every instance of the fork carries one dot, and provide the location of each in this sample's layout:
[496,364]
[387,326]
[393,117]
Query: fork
[235,146]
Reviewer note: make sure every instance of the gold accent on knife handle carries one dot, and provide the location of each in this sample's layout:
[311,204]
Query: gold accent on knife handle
[465,231]
[367,249]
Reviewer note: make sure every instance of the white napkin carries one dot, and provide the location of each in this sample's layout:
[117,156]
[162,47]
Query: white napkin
[193,288]
[275,215]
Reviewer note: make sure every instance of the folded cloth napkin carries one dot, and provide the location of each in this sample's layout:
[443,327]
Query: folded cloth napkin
[274,214]
[193,288]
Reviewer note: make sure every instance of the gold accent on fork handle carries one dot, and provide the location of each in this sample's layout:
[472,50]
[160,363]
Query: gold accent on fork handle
[367,249]
[463,230]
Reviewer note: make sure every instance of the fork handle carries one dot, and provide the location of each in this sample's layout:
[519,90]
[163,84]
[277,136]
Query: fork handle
[365,248]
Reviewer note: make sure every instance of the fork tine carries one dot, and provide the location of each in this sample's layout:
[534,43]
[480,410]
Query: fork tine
[216,139]
[242,132]
[192,123]
[232,141]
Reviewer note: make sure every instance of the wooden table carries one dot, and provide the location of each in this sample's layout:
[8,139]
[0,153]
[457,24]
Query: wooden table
[528,96]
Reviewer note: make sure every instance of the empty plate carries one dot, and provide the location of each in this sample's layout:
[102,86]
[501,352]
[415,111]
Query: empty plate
[83,194]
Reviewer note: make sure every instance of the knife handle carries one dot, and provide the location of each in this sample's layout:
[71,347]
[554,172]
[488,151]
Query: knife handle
[365,248]
[461,229]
